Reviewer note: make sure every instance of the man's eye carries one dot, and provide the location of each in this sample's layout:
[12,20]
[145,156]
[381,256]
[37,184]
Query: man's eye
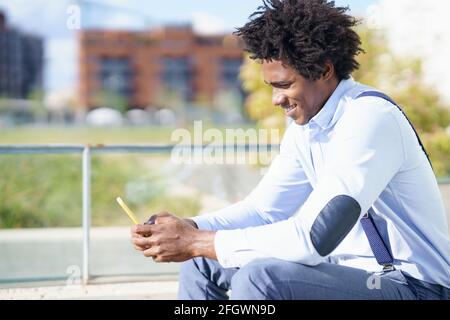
[282,85]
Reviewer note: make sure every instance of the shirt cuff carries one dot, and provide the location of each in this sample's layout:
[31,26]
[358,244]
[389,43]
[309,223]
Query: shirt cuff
[203,223]
[232,249]
[225,243]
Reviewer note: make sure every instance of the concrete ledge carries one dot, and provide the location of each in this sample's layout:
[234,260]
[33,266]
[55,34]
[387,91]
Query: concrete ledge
[149,290]
[55,253]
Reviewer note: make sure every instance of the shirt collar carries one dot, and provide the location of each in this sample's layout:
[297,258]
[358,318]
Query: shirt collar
[325,115]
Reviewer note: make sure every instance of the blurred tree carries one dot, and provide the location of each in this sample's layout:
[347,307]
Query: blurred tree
[3,103]
[259,100]
[203,100]
[399,77]
[111,99]
[228,103]
[402,79]
[169,98]
[37,107]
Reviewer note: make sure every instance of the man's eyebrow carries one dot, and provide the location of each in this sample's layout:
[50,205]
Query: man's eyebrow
[283,82]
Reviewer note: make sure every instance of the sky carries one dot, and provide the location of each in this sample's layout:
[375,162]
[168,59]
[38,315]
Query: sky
[420,28]
[48,18]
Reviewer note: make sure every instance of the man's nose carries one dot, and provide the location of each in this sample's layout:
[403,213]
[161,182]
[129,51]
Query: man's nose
[278,98]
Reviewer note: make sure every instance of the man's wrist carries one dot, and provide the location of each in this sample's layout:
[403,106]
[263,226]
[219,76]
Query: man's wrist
[191,222]
[203,244]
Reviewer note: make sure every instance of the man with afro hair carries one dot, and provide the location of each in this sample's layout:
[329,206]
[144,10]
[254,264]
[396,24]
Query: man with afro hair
[349,209]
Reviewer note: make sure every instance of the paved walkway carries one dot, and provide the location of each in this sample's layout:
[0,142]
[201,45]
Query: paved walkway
[154,290]
[55,253]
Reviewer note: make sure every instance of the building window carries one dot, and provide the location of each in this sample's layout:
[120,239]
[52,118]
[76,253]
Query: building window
[177,77]
[116,76]
[229,75]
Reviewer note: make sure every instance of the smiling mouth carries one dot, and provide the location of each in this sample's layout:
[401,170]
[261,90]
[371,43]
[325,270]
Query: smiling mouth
[289,108]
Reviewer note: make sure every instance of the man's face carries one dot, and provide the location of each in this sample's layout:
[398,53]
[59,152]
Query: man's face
[300,98]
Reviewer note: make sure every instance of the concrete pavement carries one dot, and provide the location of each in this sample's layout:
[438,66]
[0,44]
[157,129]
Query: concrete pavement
[44,254]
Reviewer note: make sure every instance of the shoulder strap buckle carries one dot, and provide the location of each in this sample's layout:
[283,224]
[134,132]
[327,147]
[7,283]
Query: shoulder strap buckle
[388,267]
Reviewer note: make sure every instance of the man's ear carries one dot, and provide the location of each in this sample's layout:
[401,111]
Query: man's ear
[329,71]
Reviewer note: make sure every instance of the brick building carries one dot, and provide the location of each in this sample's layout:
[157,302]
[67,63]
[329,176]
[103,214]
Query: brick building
[138,66]
[21,62]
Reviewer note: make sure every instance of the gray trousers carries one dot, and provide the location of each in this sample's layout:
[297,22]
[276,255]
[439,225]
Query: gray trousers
[273,279]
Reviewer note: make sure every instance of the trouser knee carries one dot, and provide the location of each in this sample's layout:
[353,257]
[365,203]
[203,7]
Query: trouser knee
[253,281]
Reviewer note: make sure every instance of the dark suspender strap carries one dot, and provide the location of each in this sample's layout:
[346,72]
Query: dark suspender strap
[376,242]
[387,98]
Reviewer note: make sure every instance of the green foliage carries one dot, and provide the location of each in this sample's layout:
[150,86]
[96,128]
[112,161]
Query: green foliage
[111,99]
[438,147]
[38,107]
[181,206]
[3,103]
[170,98]
[401,78]
[85,135]
[259,100]
[32,185]
[45,191]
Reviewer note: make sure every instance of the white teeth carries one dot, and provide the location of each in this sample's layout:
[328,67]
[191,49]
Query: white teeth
[291,108]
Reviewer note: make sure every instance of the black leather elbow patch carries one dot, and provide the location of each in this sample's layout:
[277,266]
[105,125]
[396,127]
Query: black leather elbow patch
[333,223]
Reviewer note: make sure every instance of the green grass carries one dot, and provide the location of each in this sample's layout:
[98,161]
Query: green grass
[45,190]
[85,135]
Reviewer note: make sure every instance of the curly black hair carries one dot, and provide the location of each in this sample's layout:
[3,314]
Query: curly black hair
[305,34]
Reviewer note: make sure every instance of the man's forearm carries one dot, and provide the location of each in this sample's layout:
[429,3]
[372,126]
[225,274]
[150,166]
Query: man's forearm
[203,244]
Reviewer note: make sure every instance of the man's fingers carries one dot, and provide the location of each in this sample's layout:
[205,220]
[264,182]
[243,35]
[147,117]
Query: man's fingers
[139,228]
[141,242]
[135,235]
[163,214]
[163,219]
[142,229]
[153,251]
[159,218]
[160,259]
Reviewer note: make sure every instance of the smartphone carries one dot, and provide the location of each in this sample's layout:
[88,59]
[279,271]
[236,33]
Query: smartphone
[127,210]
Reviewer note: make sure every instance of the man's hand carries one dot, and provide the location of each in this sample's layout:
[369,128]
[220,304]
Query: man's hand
[171,239]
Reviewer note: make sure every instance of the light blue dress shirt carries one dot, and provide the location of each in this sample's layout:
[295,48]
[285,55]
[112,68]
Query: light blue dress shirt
[363,148]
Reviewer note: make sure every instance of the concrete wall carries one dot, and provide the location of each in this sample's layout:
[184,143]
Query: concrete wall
[42,254]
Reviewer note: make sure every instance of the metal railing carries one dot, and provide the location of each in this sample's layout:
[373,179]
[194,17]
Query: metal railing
[87,150]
